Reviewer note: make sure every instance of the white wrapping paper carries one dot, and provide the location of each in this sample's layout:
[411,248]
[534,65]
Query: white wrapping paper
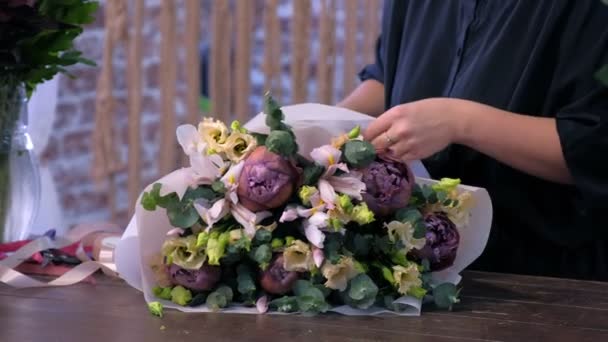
[313,125]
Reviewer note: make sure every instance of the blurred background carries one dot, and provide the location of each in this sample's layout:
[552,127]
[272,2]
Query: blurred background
[301,50]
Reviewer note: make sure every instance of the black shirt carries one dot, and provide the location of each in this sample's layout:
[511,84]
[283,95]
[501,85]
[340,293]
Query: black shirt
[529,57]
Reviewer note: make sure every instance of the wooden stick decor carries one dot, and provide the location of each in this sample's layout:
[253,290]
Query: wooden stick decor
[105,160]
[193,69]
[272,50]
[134,85]
[327,54]
[242,86]
[350,46]
[300,31]
[220,60]
[168,76]
[372,29]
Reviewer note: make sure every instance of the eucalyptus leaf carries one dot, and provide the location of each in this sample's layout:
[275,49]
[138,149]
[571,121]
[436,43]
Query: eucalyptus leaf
[361,292]
[445,295]
[284,304]
[359,153]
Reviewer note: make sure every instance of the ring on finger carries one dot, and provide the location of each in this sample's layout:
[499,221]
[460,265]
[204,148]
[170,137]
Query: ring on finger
[388,138]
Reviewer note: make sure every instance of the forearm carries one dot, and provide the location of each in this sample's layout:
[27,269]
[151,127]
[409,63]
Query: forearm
[367,98]
[530,144]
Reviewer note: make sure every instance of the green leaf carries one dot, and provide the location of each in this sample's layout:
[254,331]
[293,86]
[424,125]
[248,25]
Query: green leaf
[417,292]
[284,304]
[602,74]
[244,279]
[260,138]
[358,153]
[361,292]
[201,192]
[332,246]
[262,236]
[261,255]
[182,215]
[312,173]
[309,298]
[216,247]
[220,298]
[218,187]
[274,114]
[446,295]
[282,143]
[198,299]
[358,244]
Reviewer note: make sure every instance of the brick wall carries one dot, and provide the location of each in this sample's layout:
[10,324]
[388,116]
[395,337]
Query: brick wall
[69,152]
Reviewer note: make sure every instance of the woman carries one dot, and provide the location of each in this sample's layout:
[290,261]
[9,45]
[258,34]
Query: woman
[502,95]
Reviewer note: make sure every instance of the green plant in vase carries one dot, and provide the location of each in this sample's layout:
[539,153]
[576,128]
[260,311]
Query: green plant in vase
[36,43]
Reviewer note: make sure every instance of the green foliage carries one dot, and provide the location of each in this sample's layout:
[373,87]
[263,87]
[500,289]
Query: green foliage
[284,304]
[414,217]
[180,295]
[162,292]
[361,292]
[312,173]
[181,213]
[602,74]
[446,295]
[359,153]
[309,298]
[220,298]
[246,285]
[156,309]
[261,255]
[37,43]
[281,142]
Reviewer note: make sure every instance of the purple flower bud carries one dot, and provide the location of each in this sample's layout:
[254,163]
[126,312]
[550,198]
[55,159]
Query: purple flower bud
[203,279]
[442,239]
[267,180]
[388,186]
[277,280]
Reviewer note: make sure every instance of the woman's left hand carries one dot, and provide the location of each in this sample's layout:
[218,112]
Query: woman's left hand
[416,130]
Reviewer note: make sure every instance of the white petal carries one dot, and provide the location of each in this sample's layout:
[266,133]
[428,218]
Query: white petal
[175,232]
[218,210]
[305,212]
[289,214]
[351,186]
[328,195]
[248,219]
[326,155]
[318,256]
[262,304]
[231,178]
[319,219]
[188,138]
[314,235]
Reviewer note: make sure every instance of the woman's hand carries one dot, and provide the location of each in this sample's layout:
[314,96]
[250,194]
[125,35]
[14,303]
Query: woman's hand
[416,130]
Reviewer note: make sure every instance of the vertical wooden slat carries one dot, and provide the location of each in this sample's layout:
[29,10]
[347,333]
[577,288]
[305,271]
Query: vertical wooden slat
[134,84]
[372,28]
[168,76]
[300,31]
[242,87]
[272,50]
[220,60]
[350,47]
[327,55]
[193,73]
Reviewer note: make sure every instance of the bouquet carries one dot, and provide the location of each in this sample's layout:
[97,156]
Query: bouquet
[258,226]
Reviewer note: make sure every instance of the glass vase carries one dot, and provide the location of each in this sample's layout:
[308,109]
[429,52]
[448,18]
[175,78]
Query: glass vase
[19,170]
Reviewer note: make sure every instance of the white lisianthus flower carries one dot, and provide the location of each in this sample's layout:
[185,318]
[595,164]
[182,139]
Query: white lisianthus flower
[406,278]
[214,133]
[404,232]
[339,274]
[238,146]
[298,257]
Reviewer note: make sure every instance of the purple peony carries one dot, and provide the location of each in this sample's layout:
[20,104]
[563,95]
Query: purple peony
[277,280]
[442,239]
[388,186]
[203,279]
[267,181]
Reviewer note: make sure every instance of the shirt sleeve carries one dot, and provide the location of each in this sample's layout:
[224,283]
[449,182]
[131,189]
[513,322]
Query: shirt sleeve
[375,70]
[582,119]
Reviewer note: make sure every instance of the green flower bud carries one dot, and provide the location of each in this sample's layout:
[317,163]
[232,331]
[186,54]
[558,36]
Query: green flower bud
[180,295]
[236,126]
[277,243]
[306,192]
[362,215]
[345,204]
[355,132]
[156,308]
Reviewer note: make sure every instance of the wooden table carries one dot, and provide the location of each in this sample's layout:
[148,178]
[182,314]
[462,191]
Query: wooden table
[494,307]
